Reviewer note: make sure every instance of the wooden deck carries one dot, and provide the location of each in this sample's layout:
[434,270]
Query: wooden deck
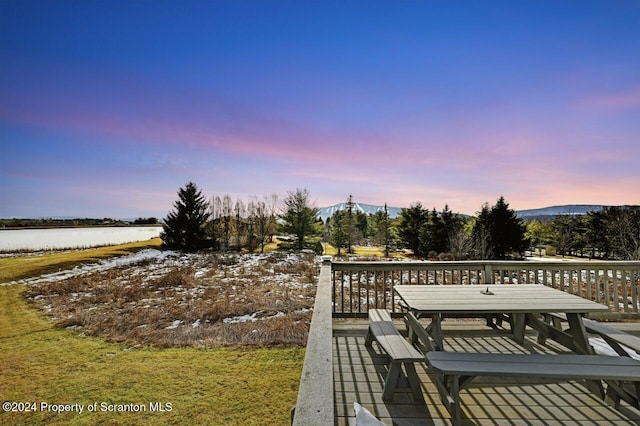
[359,375]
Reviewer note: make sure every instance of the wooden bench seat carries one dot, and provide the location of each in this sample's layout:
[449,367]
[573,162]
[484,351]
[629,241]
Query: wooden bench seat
[401,353]
[455,370]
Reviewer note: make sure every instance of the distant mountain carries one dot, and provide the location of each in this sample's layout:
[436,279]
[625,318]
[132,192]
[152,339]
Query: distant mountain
[565,210]
[327,212]
[529,214]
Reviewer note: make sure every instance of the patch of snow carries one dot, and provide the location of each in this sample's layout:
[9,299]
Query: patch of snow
[601,347]
[251,318]
[173,325]
[141,256]
[242,318]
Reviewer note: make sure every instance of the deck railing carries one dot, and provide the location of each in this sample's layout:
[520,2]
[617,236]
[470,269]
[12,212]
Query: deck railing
[360,286]
[314,406]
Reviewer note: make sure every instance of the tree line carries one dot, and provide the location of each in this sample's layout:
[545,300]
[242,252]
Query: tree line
[610,233]
[76,222]
[222,223]
[496,232]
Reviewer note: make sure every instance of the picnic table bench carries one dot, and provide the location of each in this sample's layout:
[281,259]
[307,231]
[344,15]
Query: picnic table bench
[398,349]
[455,370]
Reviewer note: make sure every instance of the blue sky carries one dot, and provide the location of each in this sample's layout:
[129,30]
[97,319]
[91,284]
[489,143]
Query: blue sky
[108,107]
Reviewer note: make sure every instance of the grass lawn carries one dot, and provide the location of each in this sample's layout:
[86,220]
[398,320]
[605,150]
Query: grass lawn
[40,363]
[360,251]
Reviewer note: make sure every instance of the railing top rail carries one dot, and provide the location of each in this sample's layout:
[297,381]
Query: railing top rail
[479,264]
[315,403]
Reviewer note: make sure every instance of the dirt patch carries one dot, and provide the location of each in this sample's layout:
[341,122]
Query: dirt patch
[200,300]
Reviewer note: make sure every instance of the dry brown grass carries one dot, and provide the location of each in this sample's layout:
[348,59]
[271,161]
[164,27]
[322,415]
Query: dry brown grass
[190,300]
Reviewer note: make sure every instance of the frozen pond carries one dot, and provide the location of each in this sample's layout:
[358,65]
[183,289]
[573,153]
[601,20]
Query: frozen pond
[58,238]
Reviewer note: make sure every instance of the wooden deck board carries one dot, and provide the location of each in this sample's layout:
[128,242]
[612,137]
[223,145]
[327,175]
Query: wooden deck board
[359,377]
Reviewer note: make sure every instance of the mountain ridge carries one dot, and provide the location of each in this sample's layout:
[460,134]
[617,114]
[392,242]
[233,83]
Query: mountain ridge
[550,211]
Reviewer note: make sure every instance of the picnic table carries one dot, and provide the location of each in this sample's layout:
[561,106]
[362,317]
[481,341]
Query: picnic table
[523,304]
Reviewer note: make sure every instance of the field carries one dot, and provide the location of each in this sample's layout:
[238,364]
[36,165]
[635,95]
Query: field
[201,380]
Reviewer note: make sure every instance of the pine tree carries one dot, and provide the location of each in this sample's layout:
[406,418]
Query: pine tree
[349,223]
[382,230]
[507,232]
[499,232]
[410,223]
[339,236]
[299,216]
[185,227]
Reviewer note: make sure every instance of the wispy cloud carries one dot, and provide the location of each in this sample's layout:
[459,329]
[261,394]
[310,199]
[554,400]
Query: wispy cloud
[614,101]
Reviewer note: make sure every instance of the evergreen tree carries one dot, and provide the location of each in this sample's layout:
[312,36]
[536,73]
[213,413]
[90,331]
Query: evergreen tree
[383,233]
[498,232]
[481,234]
[565,231]
[185,227]
[507,230]
[299,215]
[410,223]
[433,235]
[453,224]
[349,223]
[597,233]
[338,234]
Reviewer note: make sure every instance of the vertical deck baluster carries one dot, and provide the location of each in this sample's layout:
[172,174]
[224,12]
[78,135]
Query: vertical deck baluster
[393,296]
[615,299]
[384,288]
[375,289]
[607,293]
[598,285]
[350,293]
[366,276]
[359,292]
[634,291]
[625,292]
[333,289]
[342,294]
[571,283]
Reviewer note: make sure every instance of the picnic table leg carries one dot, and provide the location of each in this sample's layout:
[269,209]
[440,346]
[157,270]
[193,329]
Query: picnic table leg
[582,346]
[456,414]
[579,334]
[449,390]
[435,329]
[391,380]
[414,381]
[518,327]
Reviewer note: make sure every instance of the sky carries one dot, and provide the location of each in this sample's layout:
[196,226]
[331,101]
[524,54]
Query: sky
[107,108]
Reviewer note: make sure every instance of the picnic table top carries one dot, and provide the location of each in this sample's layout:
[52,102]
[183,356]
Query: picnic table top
[500,298]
